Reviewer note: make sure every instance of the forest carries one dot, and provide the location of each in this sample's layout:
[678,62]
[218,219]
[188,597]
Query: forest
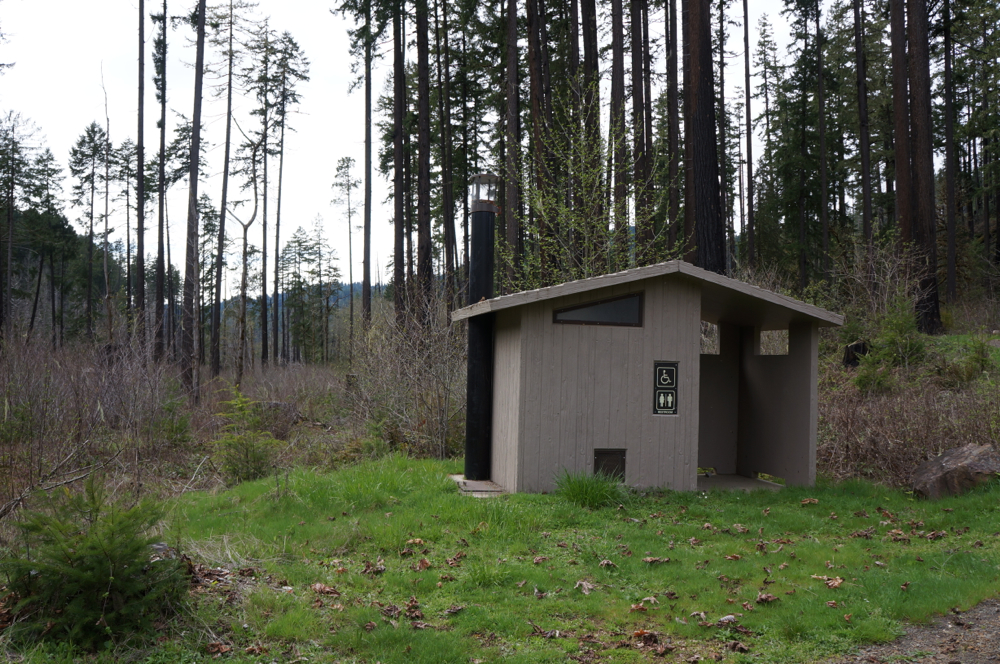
[876,126]
[853,163]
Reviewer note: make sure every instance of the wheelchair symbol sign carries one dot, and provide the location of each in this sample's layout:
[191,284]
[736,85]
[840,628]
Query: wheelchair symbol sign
[665,388]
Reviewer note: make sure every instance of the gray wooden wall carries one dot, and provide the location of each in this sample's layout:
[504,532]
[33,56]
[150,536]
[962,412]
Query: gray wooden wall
[778,407]
[584,387]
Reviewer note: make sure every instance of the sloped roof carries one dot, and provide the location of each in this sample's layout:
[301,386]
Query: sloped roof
[722,299]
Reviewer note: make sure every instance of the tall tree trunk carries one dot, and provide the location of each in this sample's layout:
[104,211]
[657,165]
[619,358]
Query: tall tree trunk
[864,139]
[216,359]
[538,134]
[824,194]
[925,222]
[140,189]
[591,103]
[158,322]
[424,267]
[38,290]
[265,130]
[803,154]
[398,192]
[447,179]
[703,217]
[750,229]
[724,202]
[276,291]
[901,121]
[643,224]
[189,362]
[89,305]
[619,135]
[52,296]
[673,128]
[949,153]
[366,273]
[512,140]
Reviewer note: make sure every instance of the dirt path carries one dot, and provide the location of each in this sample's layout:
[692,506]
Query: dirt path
[972,637]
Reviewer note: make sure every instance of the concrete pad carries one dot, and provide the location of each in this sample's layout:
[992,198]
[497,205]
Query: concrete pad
[734,483]
[477,488]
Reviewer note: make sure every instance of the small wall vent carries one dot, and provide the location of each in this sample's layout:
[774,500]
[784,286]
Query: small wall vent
[610,462]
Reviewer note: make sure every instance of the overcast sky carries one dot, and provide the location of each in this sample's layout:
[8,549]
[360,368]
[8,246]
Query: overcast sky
[63,49]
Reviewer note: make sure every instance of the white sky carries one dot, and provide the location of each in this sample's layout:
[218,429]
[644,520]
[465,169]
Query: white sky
[61,48]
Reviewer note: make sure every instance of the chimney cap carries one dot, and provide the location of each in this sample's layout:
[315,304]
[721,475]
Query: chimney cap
[483,192]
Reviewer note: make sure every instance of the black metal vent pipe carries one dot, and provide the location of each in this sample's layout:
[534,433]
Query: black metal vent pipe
[479,380]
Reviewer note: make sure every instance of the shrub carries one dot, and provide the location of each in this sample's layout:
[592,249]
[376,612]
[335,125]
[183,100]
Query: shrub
[83,573]
[248,453]
[591,491]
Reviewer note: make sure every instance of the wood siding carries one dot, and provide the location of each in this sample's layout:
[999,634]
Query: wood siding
[585,387]
[778,407]
[506,399]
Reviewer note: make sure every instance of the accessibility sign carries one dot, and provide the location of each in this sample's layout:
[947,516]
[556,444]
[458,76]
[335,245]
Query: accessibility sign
[664,388]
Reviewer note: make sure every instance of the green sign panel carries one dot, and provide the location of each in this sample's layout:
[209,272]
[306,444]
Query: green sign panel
[665,388]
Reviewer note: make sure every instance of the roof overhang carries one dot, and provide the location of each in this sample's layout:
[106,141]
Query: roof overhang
[722,299]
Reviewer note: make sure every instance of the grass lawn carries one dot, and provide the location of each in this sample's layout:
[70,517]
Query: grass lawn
[410,571]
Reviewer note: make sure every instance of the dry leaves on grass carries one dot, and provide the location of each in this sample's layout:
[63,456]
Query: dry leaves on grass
[323,589]
[833,582]
[584,586]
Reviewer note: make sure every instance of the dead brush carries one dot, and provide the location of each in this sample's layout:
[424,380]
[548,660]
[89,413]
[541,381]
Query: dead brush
[885,437]
[409,381]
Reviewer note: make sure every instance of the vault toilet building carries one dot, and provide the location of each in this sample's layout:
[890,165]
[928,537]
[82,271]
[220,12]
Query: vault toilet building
[607,373]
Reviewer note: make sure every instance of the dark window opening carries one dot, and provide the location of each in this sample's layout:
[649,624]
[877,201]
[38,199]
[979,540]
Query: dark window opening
[625,310]
[610,463]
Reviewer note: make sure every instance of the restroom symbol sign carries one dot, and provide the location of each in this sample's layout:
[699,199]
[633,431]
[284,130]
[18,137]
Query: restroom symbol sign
[665,388]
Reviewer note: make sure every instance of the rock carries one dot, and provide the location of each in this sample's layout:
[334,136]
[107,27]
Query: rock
[956,471]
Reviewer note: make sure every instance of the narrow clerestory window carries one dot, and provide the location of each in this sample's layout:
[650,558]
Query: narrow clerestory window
[625,310]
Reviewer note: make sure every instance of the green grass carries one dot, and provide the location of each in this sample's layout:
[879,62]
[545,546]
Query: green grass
[316,524]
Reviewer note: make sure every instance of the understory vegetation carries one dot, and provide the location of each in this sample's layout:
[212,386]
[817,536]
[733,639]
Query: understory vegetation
[385,561]
[308,514]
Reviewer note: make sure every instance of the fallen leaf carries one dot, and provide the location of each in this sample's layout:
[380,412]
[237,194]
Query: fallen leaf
[906,586]
[651,600]
[369,626]
[733,556]
[740,528]
[809,501]
[834,582]
[606,563]
[453,609]
[391,611]
[782,566]
[847,616]
[421,565]
[415,540]
[539,594]
[373,569]
[736,646]
[520,584]
[637,607]
[652,561]
[218,647]
[413,611]
[766,511]
[832,604]
[418,624]
[585,586]
[455,561]
[766,598]
[699,614]
[324,589]
[747,606]
[540,559]
[406,552]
